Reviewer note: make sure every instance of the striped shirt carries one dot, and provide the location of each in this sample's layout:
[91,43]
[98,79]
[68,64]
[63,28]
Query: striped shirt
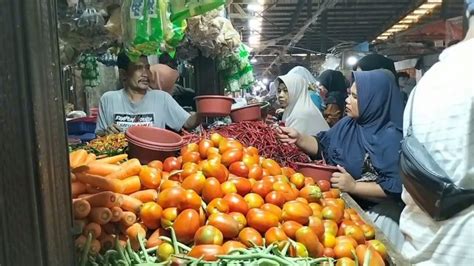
[443,120]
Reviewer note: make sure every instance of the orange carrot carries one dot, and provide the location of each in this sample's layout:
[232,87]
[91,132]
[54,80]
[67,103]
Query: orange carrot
[128,218]
[80,242]
[133,232]
[81,208]
[130,168]
[97,168]
[113,159]
[131,184]
[101,182]
[95,247]
[77,188]
[77,158]
[90,158]
[104,199]
[146,195]
[110,228]
[83,196]
[131,204]
[117,213]
[73,177]
[93,228]
[92,190]
[154,239]
[107,241]
[100,215]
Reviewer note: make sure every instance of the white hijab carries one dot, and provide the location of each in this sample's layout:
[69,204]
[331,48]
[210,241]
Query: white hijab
[303,72]
[301,113]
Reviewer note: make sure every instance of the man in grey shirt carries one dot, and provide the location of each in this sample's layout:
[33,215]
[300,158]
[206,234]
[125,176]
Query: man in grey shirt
[137,104]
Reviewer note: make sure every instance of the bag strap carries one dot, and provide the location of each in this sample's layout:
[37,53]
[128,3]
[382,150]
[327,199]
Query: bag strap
[410,123]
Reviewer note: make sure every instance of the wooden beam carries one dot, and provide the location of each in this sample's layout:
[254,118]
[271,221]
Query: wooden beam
[296,15]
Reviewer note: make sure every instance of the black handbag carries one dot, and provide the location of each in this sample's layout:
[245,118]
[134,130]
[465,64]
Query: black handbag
[428,184]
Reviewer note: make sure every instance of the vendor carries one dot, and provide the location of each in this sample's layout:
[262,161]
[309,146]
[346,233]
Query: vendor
[364,146]
[137,105]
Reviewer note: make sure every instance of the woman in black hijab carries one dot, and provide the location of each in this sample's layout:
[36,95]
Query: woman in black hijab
[333,90]
[376,61]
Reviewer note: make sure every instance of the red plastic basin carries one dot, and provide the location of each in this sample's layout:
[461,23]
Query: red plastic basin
[317,171]
[151,143]
[250,112]
[213,105]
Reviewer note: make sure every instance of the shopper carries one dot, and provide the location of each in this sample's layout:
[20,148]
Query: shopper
[447,132]
[364,146]
[137,104]
[299,111]
[333,85]
[376,61]
[312,86]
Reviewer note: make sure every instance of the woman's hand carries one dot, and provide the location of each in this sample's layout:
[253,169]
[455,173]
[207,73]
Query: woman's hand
[287,135]
[343,180]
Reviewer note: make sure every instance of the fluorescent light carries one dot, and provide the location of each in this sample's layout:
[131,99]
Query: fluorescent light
[265,81]
[262,2]
[255,7]
[352,60]
[254,40]
[253,60]
[255,24]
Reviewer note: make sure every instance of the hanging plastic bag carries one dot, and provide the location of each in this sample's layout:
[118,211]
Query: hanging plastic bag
[183,9]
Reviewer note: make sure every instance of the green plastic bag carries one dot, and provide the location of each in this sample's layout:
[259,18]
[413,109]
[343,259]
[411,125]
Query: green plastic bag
[183,9]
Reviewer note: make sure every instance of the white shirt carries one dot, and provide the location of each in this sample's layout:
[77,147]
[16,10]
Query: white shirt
[443,120]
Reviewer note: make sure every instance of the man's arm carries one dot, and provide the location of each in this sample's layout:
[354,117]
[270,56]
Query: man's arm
[193,121]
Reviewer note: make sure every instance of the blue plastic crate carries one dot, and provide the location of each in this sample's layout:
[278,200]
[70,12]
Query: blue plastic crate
[84,137]
[81,126]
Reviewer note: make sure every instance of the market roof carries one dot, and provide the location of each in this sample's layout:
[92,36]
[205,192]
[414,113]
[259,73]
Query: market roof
[341,22]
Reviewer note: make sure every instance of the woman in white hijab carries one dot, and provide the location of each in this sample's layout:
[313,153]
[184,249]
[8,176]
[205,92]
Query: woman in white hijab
[300,112]
[312,86]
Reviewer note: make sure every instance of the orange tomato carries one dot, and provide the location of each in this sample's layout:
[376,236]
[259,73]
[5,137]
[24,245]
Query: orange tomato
[213,168]
[206,252]
[298,180]
[261,220]
[311,193]
[290,228]
[329,240]
[189,169]
[379,247]
[308,238]
[191,147]
[157,164]
[248,235]
[329,252]
[212,152]
[236,203]
[225,223]
[204,145]
[272,208]
[300,199]
[168,216]
[191,157]
[216,138]
[254,200]
[211,190]
[336,192]
[186,225]
[288,171]
[239,169]
[275,235]
[356,233]
[342,227]
[296,211]
[231,156]
[316,208]
[286,189]
[265,172]
[339,203]
[231,245]
[208,234]
[309,181]
[330,227]
[316,224]
[332,213]
[375,258]
[276,197]
[272,166]
[240,218]
[228,144]
[150,177]
[195,182]
[242,184]
[150,214]
[344,249]
[262,188]
[324,185]
[369,231]
[251,160]
[346,239]
[171,163]
[255,171]
[190,200]
[345,262]
[217,205]
[171,197]
[251,151]
[228,187]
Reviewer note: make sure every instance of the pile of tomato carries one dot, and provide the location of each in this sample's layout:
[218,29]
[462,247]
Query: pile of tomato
[219,196]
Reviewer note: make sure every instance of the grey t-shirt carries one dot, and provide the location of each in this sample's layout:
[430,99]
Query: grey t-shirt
[157,109]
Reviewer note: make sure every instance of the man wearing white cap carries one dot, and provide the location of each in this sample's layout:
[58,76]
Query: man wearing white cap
[443,121]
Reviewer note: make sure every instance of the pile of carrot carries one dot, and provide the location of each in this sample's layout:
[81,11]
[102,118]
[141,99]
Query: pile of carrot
[106,199]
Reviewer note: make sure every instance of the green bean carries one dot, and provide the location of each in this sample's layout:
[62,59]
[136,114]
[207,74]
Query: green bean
[257,256]
[85,252]
[367,257]
[356,259]
[181,245]
[174,241]
[268,249]
[285,248]
[142,246]
[267,262]
[121,252]
[132,254]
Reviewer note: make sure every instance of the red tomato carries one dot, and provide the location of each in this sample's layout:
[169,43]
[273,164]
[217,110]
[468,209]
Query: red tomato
[251,151]
[232,245]
[248,235]
[324,185]
[191,157]
[206,252]
[217,205]
[276,197]
[261,220]
[344,249]
[204,145]
[255,171]
[275,235]
[171,163]
[157,164]
[290,228]
[329,252]
[231,156]
[262,188]
[228,144]
[150,177]
[236,203]
[186,225]
[239,169]
[308,181]
[171,197]
[296,211]
[195,182]
[254,200]
[211,190]
[272,208]
[272,166]
[150,214]
[225,223]
[189,169]
[208,234]
[190,200]
[240,218]
[311,193]
[242,185]
[212,168]
[308,238]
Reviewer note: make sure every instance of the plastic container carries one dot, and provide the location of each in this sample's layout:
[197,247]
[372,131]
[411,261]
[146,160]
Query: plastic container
[150,143]
[213,105]
[265,109]
[317,171]
[81,125]
[250,112]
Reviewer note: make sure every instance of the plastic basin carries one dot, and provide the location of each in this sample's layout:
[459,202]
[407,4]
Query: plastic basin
[317,171]
[150,143]
[81,125]
[213,105]
[246,113]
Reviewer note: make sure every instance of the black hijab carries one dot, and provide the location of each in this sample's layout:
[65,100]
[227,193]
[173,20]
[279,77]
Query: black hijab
[376,61]
[335,83]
